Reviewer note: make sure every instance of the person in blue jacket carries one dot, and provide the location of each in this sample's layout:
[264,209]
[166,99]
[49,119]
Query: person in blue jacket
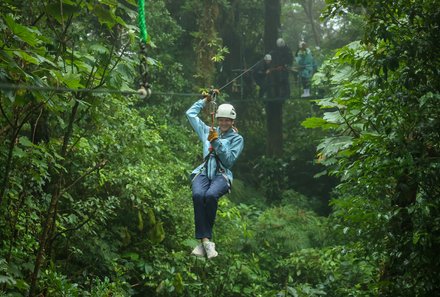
[304,58]
[212,179]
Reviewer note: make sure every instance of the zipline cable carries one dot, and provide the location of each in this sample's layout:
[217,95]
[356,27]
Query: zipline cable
[143,92]
[7,86]
[240,75]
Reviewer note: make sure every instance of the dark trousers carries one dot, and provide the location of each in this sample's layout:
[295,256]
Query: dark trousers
[205,200]
[281,84]
[305,81]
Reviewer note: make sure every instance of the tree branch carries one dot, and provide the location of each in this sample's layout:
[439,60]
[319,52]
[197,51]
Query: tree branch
[88,172]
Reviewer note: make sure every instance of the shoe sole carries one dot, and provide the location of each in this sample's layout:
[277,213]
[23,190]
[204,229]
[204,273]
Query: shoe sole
[216,254]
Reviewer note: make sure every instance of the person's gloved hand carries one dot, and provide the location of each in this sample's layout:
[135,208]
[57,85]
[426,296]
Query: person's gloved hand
[211,95]
[213,135]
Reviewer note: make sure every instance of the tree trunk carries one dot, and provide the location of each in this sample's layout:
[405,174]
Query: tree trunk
[232,40]
[51,215]
[274,109]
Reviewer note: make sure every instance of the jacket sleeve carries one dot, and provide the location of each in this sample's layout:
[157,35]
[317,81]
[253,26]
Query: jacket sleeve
[198,125]
[228,152]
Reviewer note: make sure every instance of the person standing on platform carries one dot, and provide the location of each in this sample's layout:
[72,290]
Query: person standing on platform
[282,62]
[305,61]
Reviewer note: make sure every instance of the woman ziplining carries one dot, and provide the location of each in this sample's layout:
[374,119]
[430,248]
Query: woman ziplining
[222,145]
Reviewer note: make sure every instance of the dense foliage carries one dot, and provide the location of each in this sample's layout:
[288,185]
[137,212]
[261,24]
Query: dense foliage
[94,190]
[384,143]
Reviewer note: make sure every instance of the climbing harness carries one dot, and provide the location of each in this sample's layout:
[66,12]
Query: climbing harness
[144,85]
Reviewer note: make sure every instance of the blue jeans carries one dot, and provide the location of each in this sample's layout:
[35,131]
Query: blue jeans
[205,194]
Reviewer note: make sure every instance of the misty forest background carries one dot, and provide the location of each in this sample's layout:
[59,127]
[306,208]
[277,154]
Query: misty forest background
[335,195]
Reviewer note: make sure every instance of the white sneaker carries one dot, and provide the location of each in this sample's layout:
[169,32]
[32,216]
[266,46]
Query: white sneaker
[210,249]
[198,251]
[306,93]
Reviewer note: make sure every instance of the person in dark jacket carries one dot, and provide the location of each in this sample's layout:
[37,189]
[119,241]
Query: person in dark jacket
[263,77]
[222,145]
[282,61]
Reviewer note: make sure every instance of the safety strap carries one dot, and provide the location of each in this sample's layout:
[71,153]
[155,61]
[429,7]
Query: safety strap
[218,162]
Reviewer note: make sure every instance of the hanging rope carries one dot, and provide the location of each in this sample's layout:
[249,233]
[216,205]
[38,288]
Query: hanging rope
[144,86]
[142,24]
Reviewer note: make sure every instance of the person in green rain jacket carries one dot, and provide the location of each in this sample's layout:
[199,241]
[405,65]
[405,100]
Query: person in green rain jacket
[304,59]
[212,179]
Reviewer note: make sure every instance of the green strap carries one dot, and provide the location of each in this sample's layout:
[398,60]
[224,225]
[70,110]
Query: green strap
[142,24]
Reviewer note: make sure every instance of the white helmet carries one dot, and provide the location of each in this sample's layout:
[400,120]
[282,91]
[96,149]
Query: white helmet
[280,42]
[267,57]
[226,111]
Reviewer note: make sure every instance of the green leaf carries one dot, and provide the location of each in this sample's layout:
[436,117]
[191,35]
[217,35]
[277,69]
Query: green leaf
[72,80]
[4,279]
[26,34]
[131,255]
[315,122]
[332,145]
[333,117]
[19,153]
[26,57]
[99,48]
[62,13]
[24,141]
[105,16]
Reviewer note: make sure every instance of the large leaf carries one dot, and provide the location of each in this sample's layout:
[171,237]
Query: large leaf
[26,34]
[62,12]
[105,16]
[332,145]
[71,80]
[333,117]
[26,57]
[315,122]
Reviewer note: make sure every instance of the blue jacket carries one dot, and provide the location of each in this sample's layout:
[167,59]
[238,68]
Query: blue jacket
[305,61]
[227,147]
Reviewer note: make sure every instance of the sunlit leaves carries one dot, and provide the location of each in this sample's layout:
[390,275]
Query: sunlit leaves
[315,122]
